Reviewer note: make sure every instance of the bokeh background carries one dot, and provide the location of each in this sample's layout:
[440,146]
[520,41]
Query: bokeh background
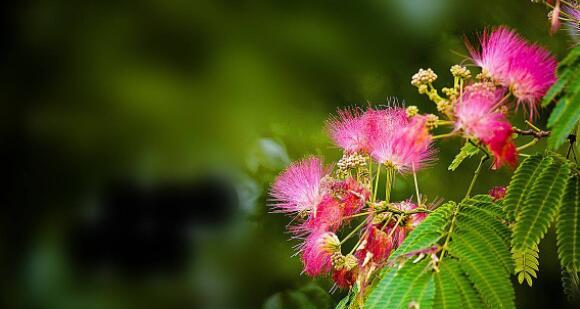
[139,139]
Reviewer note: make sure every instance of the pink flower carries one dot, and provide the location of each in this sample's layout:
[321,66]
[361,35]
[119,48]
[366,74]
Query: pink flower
[300,188]
[377,245]
[405,145]
[379,123]
[344,278]
[351,194]
[317,250]
[328,216]
[347,130]
[527,69]
[497,192]
[477,115]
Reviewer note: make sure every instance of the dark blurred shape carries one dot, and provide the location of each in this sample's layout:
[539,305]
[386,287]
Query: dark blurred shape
[141,230]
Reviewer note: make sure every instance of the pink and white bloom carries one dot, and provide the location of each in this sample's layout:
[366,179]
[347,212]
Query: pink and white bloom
[347,130]
[477,116]
[317,250]
[300,188]
[528,70]
[403,143]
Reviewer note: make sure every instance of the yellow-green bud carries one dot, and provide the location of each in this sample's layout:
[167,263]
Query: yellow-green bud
[412,110]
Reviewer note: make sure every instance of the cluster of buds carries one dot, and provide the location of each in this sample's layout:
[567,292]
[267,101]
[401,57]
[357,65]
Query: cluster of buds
[460,72]
[423,77]
[350,162]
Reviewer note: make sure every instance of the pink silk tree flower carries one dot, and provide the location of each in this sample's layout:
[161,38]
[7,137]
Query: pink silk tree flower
[351,194]
[347,130]
[407,147]
[478,117]
[328,216]
[528,70]
[497,192]
[317,251]
[344,278]
[300,188]
[377,245]
[381,123]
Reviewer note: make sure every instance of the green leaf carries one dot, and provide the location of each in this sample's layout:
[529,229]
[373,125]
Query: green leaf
[557,88]
[453,289]
[541,205]
[492,282]
[567,117]
[521,183]
[571,284]
[527,265]
[427,233]
[467,151]
[412,283]
[568,225]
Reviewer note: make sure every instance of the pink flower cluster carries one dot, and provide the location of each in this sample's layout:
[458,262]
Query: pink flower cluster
[322,202]
[526,69]
[388,135]
[477,116]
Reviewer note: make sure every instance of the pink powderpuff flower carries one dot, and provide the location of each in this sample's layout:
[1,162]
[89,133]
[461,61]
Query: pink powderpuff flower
[527,69]
[477,116]
[317,251]
[344,278]
[300,188]
[351,194]
[497,192]
[377,246]
[414,219]
[347,130]
[406,148]
[328,216]
[380,123]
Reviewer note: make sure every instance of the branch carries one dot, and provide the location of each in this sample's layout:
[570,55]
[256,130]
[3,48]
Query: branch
[536,134]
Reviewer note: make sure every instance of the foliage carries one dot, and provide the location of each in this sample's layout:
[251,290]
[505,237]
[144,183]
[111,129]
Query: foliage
[476,237]
[566,90]
[467,151]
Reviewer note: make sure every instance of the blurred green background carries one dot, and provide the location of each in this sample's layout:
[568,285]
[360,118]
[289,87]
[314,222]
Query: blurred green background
[139,139]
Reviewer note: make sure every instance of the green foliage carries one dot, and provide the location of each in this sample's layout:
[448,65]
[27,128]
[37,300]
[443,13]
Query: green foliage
[571,284]
[453,288]
[521,183]
[567,111]
[568,225]
[427,233]
[467,151]
[467,276]
[526,264]
[541,204]
[412,283]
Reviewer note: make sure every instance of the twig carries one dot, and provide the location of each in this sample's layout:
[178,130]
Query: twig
[534,133]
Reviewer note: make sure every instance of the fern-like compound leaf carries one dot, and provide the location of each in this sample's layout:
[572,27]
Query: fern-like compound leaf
[526,264]
[427,233]
[522,181]
[454,290]
[541,205]
[568,225]
[571,284]
[492,282]
[467,151]
[411,284]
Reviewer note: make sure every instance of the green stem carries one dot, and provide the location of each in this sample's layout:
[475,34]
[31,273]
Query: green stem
[532,126]
[444,135]
[389,183]
[449,232]
[475,175]
[358,227]
[530,144]
[416,187]
[376,183]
